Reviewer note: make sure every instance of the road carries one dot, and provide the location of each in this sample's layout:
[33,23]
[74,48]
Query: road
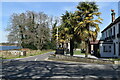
[32,58]
[0,67]
[37,58]
[38,68]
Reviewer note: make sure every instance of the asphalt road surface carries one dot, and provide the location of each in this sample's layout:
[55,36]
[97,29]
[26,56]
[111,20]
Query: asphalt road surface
[37,58]
[32,58]
[38,68]
[0,67]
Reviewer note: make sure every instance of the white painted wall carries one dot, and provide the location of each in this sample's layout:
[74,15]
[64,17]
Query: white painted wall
[116,41]
[106,54]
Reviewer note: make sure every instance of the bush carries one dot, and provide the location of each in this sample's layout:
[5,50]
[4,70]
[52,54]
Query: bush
[98,53]
[83,51]
[30,46]
[49,45]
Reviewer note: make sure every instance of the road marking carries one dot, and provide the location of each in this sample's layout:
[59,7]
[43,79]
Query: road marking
[35,59]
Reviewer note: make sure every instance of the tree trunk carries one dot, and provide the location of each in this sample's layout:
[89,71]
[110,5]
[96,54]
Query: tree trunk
[62,45]
[21,35]
[71,46]
[87,42]
[72,43]
[87,48]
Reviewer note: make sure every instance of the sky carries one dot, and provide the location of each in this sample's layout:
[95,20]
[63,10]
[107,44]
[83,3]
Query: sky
[51,9]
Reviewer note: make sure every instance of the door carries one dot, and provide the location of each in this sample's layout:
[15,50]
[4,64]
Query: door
[119,48]
[114,49]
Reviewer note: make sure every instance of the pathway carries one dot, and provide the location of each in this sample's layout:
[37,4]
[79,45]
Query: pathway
[89,56]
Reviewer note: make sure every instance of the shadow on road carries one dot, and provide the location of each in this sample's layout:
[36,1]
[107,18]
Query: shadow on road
[50,69]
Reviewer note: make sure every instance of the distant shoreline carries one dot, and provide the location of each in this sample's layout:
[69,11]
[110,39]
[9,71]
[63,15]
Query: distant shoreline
[8,45]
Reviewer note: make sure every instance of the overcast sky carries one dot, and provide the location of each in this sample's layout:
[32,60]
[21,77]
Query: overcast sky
[52,9]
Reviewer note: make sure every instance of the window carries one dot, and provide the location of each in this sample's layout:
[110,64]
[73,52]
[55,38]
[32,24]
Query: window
[114,49]
[119,28]
[114,31]
[107,48]
[111,32]
[119,48]
[106,34]
[103,35]
[103,48]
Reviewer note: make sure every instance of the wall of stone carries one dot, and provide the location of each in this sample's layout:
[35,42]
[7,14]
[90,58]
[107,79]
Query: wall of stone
[79,59]
[15,52]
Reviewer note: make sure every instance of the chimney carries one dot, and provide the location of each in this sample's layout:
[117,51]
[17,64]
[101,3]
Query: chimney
[113,15]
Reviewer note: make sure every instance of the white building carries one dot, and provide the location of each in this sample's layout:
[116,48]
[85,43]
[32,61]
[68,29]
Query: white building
[110,40]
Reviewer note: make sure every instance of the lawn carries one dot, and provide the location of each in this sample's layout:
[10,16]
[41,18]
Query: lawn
[78,53]
[115,59]
[7,55]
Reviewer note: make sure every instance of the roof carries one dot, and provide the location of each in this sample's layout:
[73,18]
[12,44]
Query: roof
[94,42]
[109,26]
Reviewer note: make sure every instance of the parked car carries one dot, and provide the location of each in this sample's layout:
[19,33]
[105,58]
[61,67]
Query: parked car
[60,51]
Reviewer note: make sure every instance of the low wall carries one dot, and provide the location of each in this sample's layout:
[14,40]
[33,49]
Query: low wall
[81,59]
[15,52]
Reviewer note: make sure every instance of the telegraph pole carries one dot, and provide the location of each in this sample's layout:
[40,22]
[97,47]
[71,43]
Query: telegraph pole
[57,38]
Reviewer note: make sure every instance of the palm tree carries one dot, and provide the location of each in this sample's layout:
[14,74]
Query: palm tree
[88,20]
[69,23]
[81,25]
[59,34]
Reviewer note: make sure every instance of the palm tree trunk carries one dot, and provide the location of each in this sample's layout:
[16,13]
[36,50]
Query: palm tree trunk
[62,45]
[71,47]
[72,43]
[87,41]
[87,48]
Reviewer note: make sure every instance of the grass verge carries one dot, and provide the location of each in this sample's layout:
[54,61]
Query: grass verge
[7,55]
[78,53]
[115,59]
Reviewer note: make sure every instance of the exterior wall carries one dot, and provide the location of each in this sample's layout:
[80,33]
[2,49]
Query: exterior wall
[115,40]
[109,52]
[69,46]
[92,48]
[117,49]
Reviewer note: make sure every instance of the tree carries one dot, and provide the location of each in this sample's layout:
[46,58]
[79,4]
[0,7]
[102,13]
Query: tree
[30,29]
[69,23]
[55,34]
[88,20]
[82,25]
[16,28]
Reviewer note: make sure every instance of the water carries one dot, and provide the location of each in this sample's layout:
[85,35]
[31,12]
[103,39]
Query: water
[9,47]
